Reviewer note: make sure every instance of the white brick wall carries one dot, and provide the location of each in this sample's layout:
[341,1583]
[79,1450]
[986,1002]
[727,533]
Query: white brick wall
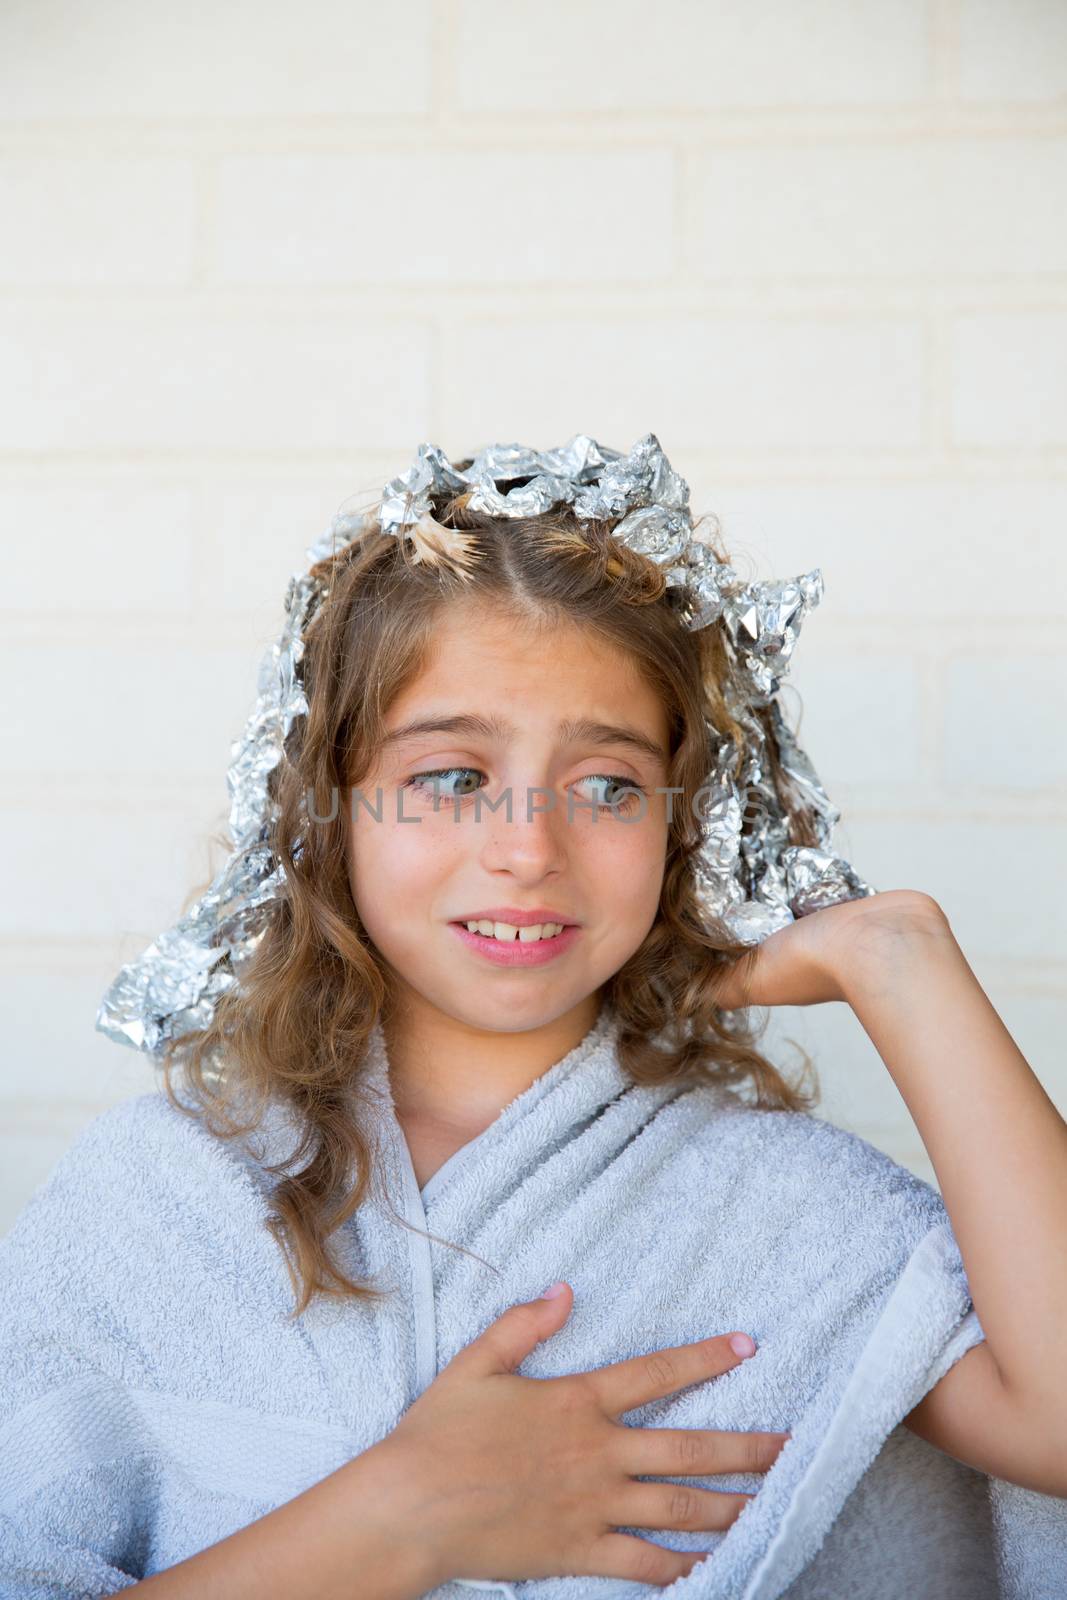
[253,254]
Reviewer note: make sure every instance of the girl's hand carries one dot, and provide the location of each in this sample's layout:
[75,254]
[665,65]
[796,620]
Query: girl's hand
[808,962]
[520,1477]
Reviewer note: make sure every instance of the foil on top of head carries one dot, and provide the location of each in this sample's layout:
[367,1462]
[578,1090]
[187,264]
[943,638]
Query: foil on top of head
[747,874]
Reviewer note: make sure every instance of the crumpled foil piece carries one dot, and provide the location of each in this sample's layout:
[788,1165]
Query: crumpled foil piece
[747,874]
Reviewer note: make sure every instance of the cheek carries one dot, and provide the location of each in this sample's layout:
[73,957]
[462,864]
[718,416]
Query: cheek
[639,838]
[404,860]
[627,861]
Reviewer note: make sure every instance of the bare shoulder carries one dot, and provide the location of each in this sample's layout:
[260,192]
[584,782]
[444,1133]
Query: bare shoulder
[972,1416]
[961,1413]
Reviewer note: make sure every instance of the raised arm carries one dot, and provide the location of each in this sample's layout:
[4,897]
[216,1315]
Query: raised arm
[999,1148]
[997,1143]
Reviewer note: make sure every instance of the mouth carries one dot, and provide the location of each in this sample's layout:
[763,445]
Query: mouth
[516,917]
[516,951]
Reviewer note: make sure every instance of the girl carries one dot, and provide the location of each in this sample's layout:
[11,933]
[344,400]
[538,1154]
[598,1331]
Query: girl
[262,1334]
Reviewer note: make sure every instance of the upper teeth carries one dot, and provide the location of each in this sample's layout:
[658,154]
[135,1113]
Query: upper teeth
[504,930]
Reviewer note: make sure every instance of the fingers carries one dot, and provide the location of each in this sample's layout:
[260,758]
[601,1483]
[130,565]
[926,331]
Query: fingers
[624,1555]
[624,1385]
[677,1505]
[695,1452]
[507,1341]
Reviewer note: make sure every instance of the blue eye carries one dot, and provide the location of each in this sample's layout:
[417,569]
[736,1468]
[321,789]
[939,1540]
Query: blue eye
[627,793]
[431,783]
[434,785]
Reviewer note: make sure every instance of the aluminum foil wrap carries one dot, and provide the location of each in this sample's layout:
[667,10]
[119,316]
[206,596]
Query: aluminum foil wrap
[747,873]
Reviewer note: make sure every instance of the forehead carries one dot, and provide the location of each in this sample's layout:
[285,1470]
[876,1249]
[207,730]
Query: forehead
[464,725]
[468,627]
[513,672]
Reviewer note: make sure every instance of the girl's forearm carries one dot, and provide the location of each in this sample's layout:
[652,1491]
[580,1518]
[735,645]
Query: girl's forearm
[353,1536]
[997,1143]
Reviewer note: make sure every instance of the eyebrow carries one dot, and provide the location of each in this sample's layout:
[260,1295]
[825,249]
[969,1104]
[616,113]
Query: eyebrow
[571,730]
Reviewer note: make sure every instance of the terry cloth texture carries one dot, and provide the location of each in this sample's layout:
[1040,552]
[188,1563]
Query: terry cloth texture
[155,1397]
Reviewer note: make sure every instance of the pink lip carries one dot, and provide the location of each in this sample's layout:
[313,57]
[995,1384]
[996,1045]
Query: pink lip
[514,953]
[514,917]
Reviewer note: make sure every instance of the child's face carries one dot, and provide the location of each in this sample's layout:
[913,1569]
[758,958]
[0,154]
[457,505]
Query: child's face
[412,880]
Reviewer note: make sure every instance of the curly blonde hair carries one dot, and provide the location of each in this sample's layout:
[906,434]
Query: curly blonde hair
[297,1026]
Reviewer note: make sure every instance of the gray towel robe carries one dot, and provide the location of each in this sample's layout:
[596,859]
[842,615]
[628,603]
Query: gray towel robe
[155,1396]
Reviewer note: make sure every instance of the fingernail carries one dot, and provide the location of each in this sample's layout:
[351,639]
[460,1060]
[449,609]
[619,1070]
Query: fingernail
[742,1345]
[552,1291]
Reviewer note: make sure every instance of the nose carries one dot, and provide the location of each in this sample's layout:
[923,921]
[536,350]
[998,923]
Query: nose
[531,843]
